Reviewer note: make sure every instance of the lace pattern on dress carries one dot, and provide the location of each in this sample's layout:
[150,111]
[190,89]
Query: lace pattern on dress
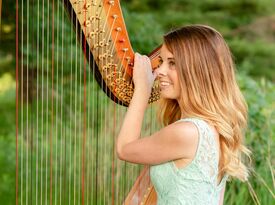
[195,183]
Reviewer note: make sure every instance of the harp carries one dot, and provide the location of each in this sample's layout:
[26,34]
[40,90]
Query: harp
[73,85]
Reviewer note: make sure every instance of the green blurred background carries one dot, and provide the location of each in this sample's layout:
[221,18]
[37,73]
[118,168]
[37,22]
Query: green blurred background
[249,28]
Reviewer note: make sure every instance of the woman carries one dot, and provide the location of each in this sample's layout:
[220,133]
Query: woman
[204,115]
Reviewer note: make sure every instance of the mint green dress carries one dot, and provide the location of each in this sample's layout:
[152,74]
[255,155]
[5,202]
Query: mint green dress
[196,183]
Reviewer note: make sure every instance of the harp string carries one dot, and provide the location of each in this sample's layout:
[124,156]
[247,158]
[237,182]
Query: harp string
[37,108]
[17,98]
[104,148]
[62,163]
[91,135]
[80,115]
[47,104]
[52,105]
[71,114]
[37,100]
[23,130]
[88,139]
[32,117]
[80,109]
[42,105]
[56,110]
[94,136]
[84,117]
[104,51]
[108,110]
[105,160]
[21,113]
[75,127]
[75,111]
[94,164]
[27,109]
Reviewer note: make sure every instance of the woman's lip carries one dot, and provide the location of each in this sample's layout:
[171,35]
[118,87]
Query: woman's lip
[165,83]
[164,86]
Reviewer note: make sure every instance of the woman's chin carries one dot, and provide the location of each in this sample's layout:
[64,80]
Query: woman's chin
[165,95]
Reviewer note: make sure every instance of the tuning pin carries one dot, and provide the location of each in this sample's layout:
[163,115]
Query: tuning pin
[93,2]
[101,43]
[111,3]
[118,29]
[86,23]
[86,6]
[115,16]
[122,40]
[125,49]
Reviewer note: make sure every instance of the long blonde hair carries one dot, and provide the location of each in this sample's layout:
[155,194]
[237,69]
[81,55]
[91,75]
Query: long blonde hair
[209,91]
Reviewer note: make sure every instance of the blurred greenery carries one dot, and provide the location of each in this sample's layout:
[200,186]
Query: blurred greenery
[247,25]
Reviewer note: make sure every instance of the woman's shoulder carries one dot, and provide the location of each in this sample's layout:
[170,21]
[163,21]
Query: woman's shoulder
[185,134]
[206,132]
[199,124]
[184,129]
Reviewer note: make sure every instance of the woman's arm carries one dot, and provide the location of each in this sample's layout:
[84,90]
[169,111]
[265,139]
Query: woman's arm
[178,140]
[132,123]
[143,80]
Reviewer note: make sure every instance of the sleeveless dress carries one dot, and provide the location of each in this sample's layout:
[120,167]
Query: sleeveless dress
[195,183]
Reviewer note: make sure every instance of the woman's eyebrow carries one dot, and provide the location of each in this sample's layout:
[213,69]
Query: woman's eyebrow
[169,58]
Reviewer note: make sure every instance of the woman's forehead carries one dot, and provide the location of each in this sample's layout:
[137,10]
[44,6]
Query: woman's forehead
[165,53]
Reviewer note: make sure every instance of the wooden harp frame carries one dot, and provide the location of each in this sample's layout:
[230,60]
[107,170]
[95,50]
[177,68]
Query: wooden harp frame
[114,76]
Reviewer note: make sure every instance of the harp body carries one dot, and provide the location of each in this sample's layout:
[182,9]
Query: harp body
[60,149]
[143,191]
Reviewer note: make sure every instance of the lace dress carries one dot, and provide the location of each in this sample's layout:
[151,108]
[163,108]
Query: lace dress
[196,183]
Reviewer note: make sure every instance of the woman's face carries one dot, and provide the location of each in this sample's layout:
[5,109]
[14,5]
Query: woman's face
[167,75]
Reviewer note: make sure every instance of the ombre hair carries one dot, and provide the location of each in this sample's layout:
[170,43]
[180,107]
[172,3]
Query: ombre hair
[209,91]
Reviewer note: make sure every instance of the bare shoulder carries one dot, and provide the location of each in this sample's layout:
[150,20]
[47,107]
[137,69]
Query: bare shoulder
[185,135]
[183,130]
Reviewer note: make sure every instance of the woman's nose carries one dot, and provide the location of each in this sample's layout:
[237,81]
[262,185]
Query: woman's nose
[161,71]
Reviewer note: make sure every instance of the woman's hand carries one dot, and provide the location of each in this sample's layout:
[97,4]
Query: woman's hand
[143,76]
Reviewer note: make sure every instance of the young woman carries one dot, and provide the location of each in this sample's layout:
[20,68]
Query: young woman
[204,116]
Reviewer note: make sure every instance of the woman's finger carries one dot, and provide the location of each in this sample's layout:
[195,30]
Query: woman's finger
[155,74]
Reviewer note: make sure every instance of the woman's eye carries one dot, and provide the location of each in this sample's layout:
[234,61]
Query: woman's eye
[160,61]
[171,63]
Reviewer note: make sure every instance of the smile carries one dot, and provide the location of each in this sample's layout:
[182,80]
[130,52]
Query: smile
[164,85]
[165,82]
